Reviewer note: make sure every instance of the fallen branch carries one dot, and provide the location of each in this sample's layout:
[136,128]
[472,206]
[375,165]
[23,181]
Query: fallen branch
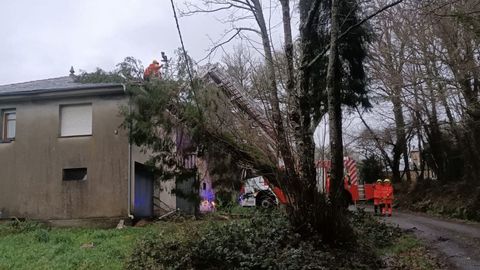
[168,214]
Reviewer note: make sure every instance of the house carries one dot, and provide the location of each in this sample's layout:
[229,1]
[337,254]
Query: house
[64,155]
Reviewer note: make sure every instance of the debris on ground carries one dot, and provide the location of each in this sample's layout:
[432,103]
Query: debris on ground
[88,245]
[121,224]
[142,223]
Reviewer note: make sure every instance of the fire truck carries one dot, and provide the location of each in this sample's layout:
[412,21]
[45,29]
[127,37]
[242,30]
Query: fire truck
[257,191]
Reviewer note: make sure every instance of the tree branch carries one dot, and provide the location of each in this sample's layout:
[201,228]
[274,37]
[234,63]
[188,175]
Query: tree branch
[194,9]
[238,31]
[377,140]
[200,10]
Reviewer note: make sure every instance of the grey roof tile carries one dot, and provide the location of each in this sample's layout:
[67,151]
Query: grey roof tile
[50,85]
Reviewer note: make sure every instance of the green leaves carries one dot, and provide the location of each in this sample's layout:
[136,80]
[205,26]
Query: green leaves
[129,70]
[99,76]
[266,241]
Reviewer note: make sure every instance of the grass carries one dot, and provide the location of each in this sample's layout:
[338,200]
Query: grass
[28,245]
[32,246]
[407,252]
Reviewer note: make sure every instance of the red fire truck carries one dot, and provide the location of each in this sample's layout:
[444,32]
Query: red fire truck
[257,191]
[351,179]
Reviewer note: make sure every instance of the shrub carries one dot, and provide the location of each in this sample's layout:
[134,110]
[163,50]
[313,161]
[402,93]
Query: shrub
[242,244]
[372,232]
[371,169]
[160,251]
[225,199]
[266,241]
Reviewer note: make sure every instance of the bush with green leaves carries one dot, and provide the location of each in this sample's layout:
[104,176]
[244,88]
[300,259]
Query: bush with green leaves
[372,232]
[159,251]
[266,241]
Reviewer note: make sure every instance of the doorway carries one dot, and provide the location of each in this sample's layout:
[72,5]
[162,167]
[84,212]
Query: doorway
[143,204]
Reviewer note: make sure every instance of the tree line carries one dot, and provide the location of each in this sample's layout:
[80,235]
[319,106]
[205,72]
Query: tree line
[424,71]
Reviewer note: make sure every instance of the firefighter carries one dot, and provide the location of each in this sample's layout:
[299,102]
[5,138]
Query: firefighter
[153,70]
[378,197]
[387,197]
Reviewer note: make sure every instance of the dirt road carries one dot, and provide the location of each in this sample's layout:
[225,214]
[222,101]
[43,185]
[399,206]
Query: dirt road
[457,242]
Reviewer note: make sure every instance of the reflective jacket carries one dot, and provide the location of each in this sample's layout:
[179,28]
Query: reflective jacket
[152,70]
[377,191]
[388,192]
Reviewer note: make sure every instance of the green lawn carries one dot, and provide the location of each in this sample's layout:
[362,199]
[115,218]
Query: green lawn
[30,246]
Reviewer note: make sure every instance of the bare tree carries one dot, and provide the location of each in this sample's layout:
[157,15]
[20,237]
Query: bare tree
[387,61]
[424,62]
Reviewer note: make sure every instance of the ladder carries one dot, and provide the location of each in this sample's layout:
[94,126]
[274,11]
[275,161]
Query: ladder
[361,192]
[241,101]
[161,206]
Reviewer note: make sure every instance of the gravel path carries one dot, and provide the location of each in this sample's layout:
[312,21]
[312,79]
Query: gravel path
[457,242]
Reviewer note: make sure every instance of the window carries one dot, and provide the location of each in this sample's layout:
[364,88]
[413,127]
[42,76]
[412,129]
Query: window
[76,120]
[9,119]
[74,174]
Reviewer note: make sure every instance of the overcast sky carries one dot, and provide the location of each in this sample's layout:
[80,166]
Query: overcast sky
[42,39]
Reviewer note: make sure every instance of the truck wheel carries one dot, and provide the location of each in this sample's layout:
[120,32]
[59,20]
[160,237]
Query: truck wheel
[265,201]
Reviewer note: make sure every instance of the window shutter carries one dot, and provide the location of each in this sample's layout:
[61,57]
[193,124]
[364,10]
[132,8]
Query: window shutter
[76,120]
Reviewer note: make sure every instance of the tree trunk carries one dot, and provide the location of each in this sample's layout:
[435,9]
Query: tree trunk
[396,167]
[287,32]
[401,141]
[282,142]
[421,168]
[300,114]
[335,110]
[460,65]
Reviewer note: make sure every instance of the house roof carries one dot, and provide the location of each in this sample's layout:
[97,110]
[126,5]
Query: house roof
[60,84]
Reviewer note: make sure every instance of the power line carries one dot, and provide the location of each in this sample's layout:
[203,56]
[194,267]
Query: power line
[183,46]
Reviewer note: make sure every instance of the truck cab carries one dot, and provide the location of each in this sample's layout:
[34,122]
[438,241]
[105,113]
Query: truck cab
[257,192]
